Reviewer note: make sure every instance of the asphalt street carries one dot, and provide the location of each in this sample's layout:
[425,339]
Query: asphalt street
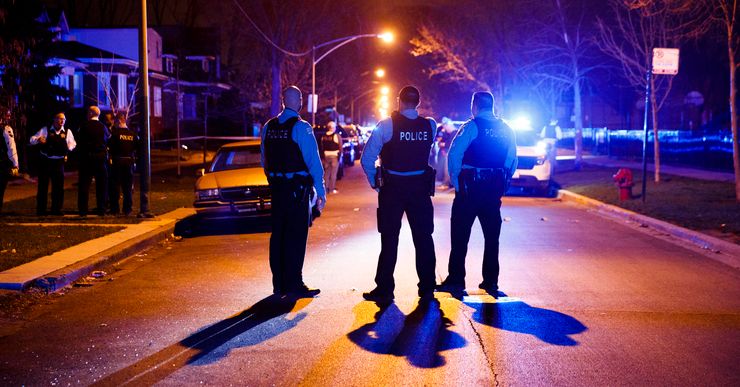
[589,301]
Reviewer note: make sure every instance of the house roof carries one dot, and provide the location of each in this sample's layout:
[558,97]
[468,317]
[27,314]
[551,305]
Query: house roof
[77,50]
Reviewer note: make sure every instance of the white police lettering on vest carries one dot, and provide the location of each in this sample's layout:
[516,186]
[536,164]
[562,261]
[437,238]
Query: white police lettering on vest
[414,136]
[277,134]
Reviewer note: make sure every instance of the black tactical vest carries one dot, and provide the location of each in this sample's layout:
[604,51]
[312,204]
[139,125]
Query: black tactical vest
[327,141]
[91,140]
[551,132]
[408,149]
[490,148]
[56,143]
[123,144]
[282,154]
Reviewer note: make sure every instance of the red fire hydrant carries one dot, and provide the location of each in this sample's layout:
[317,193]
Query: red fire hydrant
[624,181]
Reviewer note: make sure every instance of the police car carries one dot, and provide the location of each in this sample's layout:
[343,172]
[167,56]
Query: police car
[534,169]
[234,185]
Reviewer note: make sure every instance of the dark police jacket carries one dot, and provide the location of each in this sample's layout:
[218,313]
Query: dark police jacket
[92,139]
[123,145]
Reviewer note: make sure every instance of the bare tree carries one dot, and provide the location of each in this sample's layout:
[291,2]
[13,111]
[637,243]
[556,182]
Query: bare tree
[726,13]
[638,26]
[560,57]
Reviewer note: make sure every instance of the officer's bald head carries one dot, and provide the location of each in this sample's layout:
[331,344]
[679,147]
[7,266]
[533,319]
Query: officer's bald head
[93,111]
[482,101]
[292,98]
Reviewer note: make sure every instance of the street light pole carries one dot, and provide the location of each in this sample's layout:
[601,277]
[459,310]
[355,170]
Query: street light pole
[339,43]
[146,164]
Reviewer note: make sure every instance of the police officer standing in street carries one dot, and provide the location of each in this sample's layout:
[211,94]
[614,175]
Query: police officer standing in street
[122,145]
[8,154]
[404,182]
[55,143]
[481,161]
[92,139]
[291,161]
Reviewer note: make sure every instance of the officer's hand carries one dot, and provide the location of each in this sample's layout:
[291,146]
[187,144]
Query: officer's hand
[42,139]
[321,202]
[14,172]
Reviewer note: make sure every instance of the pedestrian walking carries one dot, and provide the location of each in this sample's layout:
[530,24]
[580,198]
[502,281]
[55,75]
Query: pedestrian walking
[291,161]
[55,142]
[92,141]
[8,154]
[404,182]
[482,160]
[331,143]
[122,145]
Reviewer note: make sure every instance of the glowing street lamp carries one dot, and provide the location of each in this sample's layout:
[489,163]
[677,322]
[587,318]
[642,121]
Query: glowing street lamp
[385,90]
[380,73]
[313,98]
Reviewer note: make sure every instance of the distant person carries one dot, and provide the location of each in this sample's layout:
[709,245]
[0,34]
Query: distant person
[551,134]
[445,135]
[331,143]
[291,161]
[404,184]
[8,154]
[482,160]
[55,143]
[123,145]
[92,140]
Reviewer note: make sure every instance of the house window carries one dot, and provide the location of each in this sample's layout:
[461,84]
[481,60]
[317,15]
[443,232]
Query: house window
[62,81]
[122,93]
[157,94]
[104,89]
[188,106]
[77,99]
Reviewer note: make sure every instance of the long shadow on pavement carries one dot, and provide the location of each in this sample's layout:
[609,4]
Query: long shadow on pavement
[194,226]
[214,342]
[517,316]
[419,337]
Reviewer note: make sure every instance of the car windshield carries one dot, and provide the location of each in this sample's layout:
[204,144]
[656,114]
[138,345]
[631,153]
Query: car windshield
[236,158]
[527,137]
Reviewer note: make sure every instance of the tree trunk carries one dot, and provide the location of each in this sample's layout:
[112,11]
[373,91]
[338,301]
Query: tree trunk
[733,116]
[656,140]
[578,121]
[276,89]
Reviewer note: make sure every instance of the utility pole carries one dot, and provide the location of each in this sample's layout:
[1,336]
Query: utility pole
[144,131]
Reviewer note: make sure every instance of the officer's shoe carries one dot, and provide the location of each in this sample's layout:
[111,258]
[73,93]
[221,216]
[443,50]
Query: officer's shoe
[456,291]
[303,292]
[492,290]
[426,296]
[378,297]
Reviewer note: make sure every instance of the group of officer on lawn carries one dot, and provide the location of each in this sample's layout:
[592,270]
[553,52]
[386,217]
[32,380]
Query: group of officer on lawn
[481,162]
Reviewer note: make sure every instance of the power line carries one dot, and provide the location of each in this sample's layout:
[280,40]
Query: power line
[284,51]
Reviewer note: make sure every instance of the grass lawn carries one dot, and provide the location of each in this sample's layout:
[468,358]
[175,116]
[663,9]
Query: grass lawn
[168,192]
[20,244]
[705,206]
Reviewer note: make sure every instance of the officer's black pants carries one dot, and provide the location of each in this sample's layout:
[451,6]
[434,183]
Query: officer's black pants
[121,180]
[92,167]
[481,199]
[50,169]
[290,222]
[410,195]
[4,178]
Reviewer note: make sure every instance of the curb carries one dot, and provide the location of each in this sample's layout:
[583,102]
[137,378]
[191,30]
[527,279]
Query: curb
[722,251]
[60,278]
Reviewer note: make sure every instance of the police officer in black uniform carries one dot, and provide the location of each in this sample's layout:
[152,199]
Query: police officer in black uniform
[290,158]
[122,145]
[481,161]
[91,140]
[405,184]
[55,143]
[8,153]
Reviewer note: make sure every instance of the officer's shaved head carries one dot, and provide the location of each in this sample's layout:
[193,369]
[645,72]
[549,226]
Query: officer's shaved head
[409,97]
[482,101]
[292,98]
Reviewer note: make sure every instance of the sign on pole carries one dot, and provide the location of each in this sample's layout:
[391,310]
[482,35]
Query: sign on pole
[313,101]
[665,61]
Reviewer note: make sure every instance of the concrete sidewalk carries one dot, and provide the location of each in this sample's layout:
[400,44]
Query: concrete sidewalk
[694,173]
[64,267]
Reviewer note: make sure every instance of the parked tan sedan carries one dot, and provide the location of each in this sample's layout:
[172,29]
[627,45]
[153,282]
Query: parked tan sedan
[235,184]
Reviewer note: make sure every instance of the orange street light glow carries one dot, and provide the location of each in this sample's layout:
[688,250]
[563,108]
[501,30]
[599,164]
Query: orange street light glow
[380,73]
[385,90]
[386,37]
